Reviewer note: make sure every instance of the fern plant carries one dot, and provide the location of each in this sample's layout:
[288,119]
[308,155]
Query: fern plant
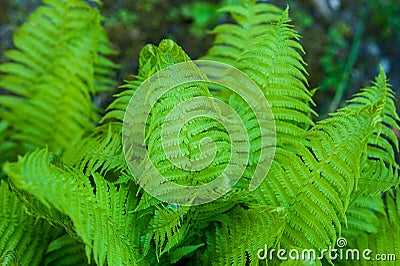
[68,196]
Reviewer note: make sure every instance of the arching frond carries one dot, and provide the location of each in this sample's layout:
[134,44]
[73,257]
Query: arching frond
[362,217]
[380,169]
[318,179]
[51,74]
[384,243]
[100,152]
[264,46]
[99,213]
[65,250]
[23,238]
[158,58]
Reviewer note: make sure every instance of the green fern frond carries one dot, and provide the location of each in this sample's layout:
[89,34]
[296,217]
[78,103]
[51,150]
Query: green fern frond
[167,228]
[9,258]
[385,242]
[51,75]
[158,58]
[104,68]
[65,250]
[380,169]
[100,152]
[100,215]
[362,216]
[232,40]
[23,238]
[318,179]
[102,149]
[77,205]
[238,238]
[264,46]
[151,60]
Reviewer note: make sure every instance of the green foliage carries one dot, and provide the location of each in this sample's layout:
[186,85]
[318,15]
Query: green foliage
[264,46]
[24,238]
[65,250]
[385,16]
[202,15]
[70,198]
[99,215]
[333,60]
[51,76]
[336,63]
[375,228]
[240,231]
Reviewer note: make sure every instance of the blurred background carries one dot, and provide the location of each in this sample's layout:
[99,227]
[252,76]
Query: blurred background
[345,41]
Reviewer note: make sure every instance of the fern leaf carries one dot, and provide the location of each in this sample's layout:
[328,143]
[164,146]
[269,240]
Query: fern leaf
[384,244]
[239,238]
[232,40]
[51,75]
[168,228]
[100,152]
[318,179]
[99,215]
[264,46]
[380,169]
[65,250]
[363,216]
[23,238]
[166,54]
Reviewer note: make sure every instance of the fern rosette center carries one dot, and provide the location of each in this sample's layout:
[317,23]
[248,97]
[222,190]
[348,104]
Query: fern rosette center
[183,145]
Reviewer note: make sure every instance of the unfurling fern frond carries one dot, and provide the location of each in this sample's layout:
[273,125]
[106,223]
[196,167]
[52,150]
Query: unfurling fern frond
[23,238]
[264,46]
[151,60]
[100,216]
[158,58]
[51,75]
